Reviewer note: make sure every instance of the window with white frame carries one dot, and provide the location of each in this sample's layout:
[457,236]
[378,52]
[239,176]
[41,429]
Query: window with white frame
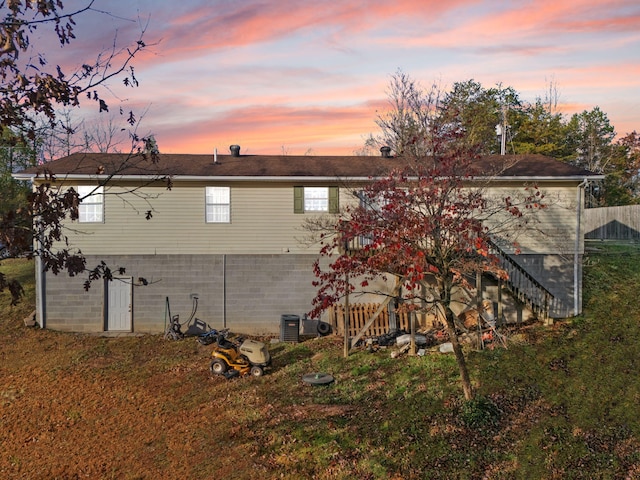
[375,203]
[315,199]
[91,209]
[218,204]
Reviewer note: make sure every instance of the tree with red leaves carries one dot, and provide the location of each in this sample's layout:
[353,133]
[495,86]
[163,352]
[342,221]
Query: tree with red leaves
[429,227]
[429,224]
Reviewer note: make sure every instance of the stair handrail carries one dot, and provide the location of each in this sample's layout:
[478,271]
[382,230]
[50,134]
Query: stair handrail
[523,284]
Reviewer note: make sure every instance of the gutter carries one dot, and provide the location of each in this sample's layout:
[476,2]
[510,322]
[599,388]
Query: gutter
[306,178]
[576,256]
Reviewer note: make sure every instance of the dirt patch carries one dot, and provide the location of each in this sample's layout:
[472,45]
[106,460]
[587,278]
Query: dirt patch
[74,406]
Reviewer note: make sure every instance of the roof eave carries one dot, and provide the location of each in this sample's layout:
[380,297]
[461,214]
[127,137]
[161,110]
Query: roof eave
[557,178]
[249,178]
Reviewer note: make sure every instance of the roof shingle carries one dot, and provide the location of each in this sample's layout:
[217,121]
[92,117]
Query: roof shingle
[256,166]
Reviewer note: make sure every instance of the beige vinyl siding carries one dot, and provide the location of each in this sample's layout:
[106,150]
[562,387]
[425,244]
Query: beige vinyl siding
[550,230]
[262,222]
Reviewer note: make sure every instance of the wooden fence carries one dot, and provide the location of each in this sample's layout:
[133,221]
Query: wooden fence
[360,313]
[612,223]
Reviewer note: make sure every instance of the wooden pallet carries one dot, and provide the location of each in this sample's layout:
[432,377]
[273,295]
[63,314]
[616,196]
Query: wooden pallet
[359,315]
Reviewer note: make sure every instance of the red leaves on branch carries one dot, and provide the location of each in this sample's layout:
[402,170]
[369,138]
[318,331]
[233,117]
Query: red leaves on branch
[421,225]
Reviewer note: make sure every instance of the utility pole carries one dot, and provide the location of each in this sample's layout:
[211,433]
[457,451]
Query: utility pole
[503,131]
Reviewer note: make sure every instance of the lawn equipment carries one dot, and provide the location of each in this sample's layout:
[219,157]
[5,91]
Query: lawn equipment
[207,338]
[238,357]
[195,326]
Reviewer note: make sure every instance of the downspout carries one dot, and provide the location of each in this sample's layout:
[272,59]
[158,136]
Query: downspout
[41,282]
[41,285]
[224,291]
[576,256]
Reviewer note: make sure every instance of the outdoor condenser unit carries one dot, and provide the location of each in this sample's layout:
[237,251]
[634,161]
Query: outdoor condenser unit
[289,328]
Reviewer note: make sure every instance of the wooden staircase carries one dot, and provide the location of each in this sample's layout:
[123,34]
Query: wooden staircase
[520,283]
[523,286]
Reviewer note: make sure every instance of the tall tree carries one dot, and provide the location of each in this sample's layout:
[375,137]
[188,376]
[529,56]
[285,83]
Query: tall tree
[31,87]
[72,134]
[103,135]
[405,127]
[471,109]
[622,181]
[482,115]
[60,139]
[541,130]
[494,120]
[590,137]
[15,155]
[427,224]
[426,227]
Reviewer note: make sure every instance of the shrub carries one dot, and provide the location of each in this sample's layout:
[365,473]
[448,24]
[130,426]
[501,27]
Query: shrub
[480,413]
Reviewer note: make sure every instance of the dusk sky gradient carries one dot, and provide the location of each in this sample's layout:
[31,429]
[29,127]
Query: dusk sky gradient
[309,76]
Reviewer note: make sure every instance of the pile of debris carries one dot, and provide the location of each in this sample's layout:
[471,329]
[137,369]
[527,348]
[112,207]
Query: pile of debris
[401,340]
[473,329]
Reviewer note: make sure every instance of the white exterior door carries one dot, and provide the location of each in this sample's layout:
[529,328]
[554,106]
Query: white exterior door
[119,306]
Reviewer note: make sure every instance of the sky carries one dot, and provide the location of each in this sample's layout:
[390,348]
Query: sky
[308,77]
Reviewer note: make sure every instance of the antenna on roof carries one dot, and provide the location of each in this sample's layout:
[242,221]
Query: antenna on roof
[503,130]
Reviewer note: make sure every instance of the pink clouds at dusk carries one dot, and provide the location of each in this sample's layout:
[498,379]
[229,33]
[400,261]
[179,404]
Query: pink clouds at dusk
[309,76]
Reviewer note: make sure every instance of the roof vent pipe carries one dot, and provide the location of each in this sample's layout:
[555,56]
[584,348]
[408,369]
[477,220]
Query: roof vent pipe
[235,150]
[386,152]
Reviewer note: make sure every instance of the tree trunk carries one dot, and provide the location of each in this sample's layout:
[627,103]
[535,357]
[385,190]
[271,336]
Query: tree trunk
[457,350]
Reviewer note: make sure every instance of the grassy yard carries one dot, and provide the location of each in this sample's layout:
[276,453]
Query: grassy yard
[560,402]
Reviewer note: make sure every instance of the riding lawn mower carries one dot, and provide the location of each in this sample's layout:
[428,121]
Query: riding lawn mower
[239,357]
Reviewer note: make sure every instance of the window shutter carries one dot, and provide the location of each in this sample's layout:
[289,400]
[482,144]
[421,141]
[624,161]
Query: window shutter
[334,203]
[298,199]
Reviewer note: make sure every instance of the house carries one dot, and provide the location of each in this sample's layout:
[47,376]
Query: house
[226,238]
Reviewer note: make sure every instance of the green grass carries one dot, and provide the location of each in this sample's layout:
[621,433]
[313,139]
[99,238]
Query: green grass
[583,374]
[23,271]
[560,402]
